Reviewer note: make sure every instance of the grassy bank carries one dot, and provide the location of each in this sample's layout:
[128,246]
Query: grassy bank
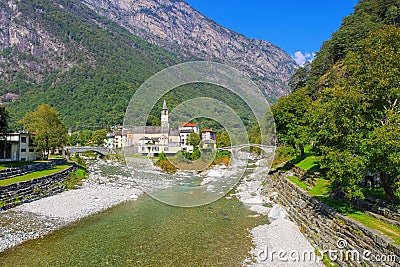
[17,164]
[321,188]
[34,175]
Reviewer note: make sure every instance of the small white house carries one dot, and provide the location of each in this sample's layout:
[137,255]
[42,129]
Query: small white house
[186,129]
[18,147]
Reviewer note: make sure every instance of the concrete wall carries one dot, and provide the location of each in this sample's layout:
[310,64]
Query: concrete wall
[19,193]
[324,226]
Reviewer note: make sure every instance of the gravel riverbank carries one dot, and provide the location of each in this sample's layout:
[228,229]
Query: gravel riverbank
[279,243]
[100,192]
[36,219]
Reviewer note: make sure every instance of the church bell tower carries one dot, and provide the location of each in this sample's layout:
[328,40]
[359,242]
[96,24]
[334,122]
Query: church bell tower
[164,116]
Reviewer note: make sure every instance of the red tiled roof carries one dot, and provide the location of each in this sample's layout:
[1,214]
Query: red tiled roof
[188,124]
[208,130]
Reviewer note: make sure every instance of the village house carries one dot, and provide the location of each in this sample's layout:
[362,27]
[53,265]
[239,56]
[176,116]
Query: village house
[186,129]
[120,140]
[18,147]
[208,137]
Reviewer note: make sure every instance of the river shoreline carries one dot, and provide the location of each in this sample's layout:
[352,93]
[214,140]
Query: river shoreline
[98,193]
[280,236]
[41,217]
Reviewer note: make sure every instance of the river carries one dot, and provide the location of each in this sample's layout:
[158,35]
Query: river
[146,232]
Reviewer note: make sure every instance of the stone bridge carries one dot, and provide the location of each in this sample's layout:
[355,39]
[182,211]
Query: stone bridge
[235,149]
[99,149]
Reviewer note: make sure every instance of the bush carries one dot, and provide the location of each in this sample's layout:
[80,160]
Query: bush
[222,157]
[75,178]
[78,160]
[165,164]
[283,154]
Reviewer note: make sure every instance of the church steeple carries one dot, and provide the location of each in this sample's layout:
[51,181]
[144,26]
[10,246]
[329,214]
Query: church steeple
[164,116]
[164,107]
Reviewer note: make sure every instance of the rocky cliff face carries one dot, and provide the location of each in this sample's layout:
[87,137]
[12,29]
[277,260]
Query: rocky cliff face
[28,49]
[176,26]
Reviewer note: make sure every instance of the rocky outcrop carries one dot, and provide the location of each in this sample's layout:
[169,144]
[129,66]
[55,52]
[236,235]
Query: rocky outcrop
[27,48]
[33,43]
[176,26]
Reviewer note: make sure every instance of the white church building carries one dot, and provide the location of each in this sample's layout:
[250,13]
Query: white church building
[153,140]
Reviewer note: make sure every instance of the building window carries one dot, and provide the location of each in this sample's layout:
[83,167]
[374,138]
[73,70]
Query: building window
[23,149]
[23,159]
[31,150]
[23,139]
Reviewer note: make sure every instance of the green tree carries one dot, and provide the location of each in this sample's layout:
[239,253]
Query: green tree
[292,120]
[193,139]
[4,116]
[385,154]
[73,139]
[99,136]
[355,119]
[84,137]
[223,140]
[3,127]
[299,79]
[50,131]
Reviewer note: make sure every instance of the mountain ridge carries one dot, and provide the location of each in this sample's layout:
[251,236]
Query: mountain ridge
[179,28]
[62,53]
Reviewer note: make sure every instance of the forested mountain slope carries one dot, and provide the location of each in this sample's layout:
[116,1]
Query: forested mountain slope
[176,26]
[346,103]
[87,66]
[61,53]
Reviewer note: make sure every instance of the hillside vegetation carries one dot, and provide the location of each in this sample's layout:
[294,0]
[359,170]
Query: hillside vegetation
[106,64]
[346,102]
[85,66]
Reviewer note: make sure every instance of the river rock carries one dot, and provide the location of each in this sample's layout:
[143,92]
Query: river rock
[214,173]
[260,209]
[207,180]
[277,212]
[252,200]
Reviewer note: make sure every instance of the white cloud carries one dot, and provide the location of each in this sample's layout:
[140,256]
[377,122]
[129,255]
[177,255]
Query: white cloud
[301,58]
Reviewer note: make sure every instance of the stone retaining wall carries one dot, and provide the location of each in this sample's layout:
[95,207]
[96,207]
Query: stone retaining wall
[27,191]
[371,205]
[390,213]
[12,172]
[324,226]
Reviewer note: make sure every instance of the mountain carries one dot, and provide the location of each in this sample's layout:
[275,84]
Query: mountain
[63,54]
[177,27]
[88,65]
[368,16]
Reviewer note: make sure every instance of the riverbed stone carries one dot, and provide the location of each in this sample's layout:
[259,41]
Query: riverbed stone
[325,226]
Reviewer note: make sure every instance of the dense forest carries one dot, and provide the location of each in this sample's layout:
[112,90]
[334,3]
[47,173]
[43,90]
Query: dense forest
[346,102]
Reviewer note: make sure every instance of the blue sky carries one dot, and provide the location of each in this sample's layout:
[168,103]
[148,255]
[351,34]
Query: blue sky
[298,27]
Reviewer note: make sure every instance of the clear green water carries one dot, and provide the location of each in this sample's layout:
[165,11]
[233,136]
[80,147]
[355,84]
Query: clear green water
[146,233]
